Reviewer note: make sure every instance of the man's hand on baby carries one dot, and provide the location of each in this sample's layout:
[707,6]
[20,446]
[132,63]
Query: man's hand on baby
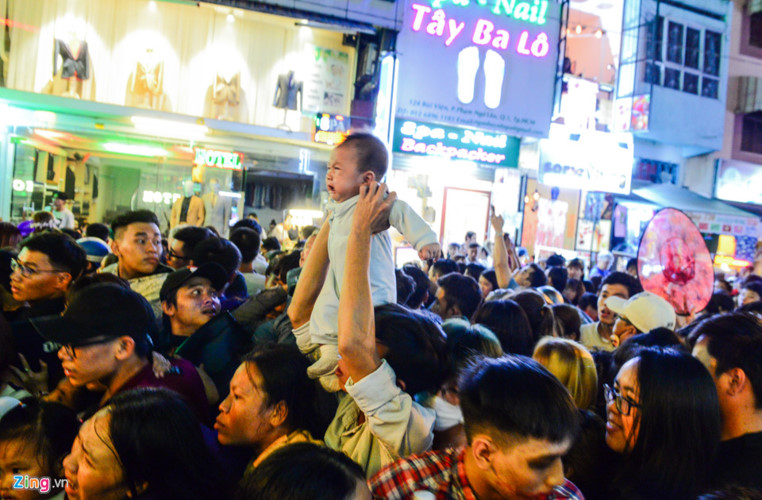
[374,207]
[430,251]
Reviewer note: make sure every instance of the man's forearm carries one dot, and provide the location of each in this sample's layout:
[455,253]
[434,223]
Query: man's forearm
[500,261]
[311,280]
[357,339]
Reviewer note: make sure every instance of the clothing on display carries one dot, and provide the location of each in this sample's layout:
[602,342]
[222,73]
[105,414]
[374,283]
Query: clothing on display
[146,86]
[226,100]
[194,213]
[69,183]
[277,196]
[218,210]
[71,66]
[287,91]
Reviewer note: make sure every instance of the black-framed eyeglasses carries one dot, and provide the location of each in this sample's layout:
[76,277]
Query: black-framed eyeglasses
[176,256]
[28,272]
[69,349]
[622,403]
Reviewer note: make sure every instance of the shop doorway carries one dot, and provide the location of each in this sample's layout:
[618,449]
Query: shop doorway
[464,210]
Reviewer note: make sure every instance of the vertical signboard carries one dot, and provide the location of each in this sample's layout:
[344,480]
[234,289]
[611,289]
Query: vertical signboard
[487,64]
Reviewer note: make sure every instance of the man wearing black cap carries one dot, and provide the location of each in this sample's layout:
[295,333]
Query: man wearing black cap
[199,331]
[105,334]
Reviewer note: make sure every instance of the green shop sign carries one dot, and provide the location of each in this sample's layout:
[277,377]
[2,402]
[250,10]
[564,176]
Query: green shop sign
[456,143]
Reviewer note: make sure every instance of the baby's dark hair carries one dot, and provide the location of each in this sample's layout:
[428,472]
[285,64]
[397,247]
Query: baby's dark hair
[370,152]
[49,428]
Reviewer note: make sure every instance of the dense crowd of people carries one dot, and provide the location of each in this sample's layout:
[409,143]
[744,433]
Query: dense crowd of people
[305,366]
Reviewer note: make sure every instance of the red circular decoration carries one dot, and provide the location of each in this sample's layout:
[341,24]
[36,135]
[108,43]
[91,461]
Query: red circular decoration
[674,261]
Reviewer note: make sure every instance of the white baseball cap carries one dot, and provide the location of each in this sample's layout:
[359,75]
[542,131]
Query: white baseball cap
[645,311]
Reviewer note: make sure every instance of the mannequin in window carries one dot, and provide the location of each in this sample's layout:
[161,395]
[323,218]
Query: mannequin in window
[189,209]
[146,86]
[71,56]
[217,208]
[287,91]
[225,98]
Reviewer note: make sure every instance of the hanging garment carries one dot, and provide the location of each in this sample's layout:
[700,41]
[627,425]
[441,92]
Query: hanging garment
[286,92]
[71,65]
[227,92]
[146,89]
[95,186]
[70,183]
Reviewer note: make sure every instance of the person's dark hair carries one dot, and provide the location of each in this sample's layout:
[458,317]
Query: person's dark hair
[10,236]
[302,471]
[510,324]
[578,287]
[633,262]
[94,279]
[417,351]
[515,396]
[158,441]
[462,291]
[98,230]
[619,278]
[576,263]
[248,223]
[191,236]
[679,427]
[405,286]
[465,342]
[474,245]
[370,153]
[218,250]
[538,312]
[589,459]
[124,220]
[284,378]
[751,307]
[556,260]
[658,337]
[596,283]
[754,286]
[537,277]
[443,267]
[49,428]
[61,196]
[732,493]
[728,288]
[470,234]
[588,300]
[247,240]
[422,284]
[735,341]
[490,276]
[720,302]
[271,244]
[62,251]
[558,275]
[567,316]
[590,286]
[286,263]
[474,270]
[752,278]
[73,233]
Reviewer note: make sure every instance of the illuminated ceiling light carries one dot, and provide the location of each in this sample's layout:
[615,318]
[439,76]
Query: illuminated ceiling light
[536,196]
[133,149]
[578,29]
[598,33]
[230,18]
[169,128]
[152,5]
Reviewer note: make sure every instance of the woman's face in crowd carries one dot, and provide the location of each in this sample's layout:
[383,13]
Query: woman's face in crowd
[485,286]
[747,296]
[92,468]
[244,418]
[18,458]
[622,430]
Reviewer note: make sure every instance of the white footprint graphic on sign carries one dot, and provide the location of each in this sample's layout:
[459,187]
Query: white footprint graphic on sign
[468,65]
[494,73]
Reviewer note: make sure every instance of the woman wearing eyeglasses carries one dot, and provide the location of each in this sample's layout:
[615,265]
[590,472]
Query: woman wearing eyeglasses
[663,417]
